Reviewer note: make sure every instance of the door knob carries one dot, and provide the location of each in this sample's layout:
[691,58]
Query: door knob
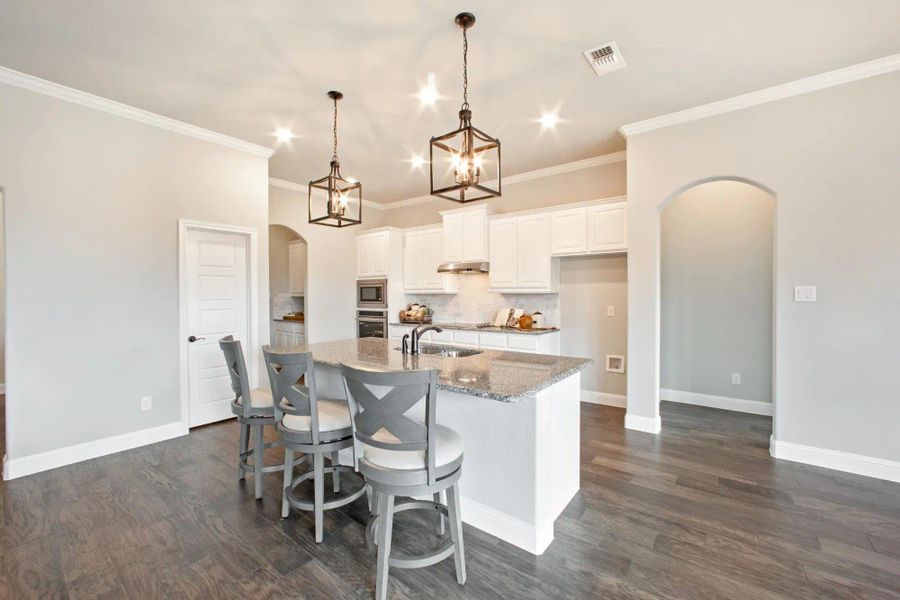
[193,339]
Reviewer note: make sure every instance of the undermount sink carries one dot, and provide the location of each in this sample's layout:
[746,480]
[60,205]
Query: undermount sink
[448,352]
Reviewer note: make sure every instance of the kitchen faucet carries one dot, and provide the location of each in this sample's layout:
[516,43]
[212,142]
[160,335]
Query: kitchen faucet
[417,333]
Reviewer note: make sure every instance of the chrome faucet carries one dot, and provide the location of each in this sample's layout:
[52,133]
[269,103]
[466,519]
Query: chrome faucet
[417,333]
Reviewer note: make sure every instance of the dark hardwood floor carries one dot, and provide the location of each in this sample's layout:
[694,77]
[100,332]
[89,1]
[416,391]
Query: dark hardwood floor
[700,511]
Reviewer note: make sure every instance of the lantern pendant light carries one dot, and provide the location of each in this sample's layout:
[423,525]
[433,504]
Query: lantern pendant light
[463,160]
[341,195]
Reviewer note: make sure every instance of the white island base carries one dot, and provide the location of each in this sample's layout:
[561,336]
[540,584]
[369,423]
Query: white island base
[522,459]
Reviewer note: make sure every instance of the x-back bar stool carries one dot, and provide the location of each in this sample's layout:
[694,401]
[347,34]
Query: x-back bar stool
[400,456]
[311,425]
[254,409]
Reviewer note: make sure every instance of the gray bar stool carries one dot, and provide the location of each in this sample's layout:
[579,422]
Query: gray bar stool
[404,457]
[311,425]
[254,409]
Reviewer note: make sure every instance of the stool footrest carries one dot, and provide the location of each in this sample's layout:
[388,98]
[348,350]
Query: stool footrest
[341,500]
[405,561]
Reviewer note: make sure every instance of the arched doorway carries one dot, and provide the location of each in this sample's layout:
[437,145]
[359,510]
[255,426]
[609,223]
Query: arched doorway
[716,300]
[288,254]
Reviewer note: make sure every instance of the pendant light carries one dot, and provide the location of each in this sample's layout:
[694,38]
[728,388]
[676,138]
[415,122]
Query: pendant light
[464,159]
[340,194]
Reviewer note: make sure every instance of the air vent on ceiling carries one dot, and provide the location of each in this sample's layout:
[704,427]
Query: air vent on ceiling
[605,58]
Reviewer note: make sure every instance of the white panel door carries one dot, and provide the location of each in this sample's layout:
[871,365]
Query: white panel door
[533,256]
[568,232]
[453,249]
[432,253]
[606,228]
[218,299]
[503,253]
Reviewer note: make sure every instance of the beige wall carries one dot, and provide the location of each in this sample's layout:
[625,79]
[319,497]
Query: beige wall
[2,295]
[716,319]
[604,181]
[831,157]
[92,206]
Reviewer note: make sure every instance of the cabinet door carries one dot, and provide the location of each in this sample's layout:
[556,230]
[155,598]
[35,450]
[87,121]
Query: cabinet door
[297,267]
[503,253]
[568,232]
[379,255]
[453,249]
[533,256]
[413,261]
[431,255]
[474,232]
[606,228]
[362,256]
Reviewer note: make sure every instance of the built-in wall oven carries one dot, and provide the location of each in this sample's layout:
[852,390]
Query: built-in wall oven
[371,323]
[371,293]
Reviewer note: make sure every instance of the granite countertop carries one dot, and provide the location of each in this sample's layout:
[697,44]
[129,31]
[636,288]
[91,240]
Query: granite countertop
[474,327]
[493,374]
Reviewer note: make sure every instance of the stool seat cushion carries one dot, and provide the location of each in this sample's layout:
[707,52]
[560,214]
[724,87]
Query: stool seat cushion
[448,447]
[258,399]
[332,417]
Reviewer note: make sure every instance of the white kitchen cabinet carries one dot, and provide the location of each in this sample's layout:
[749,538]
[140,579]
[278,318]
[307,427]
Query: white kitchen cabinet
[297,268]
[568,232]
[379,253]
[422,255]
[520,255]
[606,228]
[465,234]
[287,334]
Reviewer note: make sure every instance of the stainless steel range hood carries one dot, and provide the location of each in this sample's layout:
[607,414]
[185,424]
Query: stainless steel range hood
[464,267]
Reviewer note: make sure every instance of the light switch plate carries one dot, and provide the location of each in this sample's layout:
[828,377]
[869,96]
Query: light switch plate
[146,403]
[736,378]
[804,293]
[610,311]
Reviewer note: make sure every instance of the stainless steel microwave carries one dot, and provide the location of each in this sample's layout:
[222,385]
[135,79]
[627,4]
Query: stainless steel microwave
[371,293]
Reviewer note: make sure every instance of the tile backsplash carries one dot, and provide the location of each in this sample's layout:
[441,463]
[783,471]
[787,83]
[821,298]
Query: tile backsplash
[474,303]
[283,304]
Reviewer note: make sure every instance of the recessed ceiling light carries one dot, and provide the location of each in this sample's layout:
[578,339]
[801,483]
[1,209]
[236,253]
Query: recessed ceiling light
[428,94]
[416,161]
[549,120]
[284,135]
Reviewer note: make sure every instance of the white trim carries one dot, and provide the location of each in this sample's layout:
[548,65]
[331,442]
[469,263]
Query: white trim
[821,81]
[55,90]
[252,347]
[592,397]
[645,424]
[755,407]
[531,538]
[587,163]
[2,388]
[27,465]
[833,459]
[299,187]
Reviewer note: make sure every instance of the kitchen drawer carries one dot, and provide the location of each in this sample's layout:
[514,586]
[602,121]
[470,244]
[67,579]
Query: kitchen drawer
[496,341]
[523,343]
[466,338]
[443,336]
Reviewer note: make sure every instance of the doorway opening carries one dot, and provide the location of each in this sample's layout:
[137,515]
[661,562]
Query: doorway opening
[717,307]
[288,254]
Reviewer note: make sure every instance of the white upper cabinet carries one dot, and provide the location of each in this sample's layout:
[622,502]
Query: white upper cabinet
[607,227]
[372,254]
[592,229]
[520,255]
[297,268]
[422,255]
[465,233]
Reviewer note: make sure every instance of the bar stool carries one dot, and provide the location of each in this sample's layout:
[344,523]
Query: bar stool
[255,415]
[404,457]
[311,425]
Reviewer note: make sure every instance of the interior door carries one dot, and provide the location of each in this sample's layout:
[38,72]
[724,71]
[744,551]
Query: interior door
[218,299]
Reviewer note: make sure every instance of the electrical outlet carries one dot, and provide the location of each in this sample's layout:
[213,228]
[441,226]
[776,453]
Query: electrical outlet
[804,293]
[610,311]
[736,378]
[146,403]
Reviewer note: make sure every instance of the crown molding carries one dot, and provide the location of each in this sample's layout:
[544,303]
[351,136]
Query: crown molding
[299,187]
[821,81]
[577,165]
[55,90]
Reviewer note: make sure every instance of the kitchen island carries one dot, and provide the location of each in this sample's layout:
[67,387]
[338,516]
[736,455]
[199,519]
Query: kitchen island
[518,414]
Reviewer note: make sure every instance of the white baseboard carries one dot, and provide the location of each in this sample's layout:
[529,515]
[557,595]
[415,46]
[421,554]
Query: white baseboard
[723,402]
[603,398]
[28,465]
[531,538]
[645,424]
[834,459]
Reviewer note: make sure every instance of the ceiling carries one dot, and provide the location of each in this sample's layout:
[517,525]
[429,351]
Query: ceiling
[245,68]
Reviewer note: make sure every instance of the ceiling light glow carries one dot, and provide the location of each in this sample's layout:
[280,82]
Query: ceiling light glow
[284,135]
[417,161]
[549,120]
[428,94]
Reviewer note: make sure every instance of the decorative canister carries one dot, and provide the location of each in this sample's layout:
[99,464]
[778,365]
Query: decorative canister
[538,319]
